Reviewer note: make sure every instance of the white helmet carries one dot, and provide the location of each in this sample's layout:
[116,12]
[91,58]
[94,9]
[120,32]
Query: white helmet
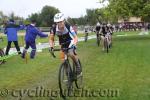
[59,17]
[108,24]
[98,24]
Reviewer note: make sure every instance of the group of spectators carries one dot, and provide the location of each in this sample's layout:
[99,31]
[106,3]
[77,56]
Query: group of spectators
[128,26]
[11,29]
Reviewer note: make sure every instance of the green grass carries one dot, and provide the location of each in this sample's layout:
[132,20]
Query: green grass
[125,68]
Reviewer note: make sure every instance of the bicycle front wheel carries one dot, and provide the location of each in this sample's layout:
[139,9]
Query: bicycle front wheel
[65,84]
[1,55]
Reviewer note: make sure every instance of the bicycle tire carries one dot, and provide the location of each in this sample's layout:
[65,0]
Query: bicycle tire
[64,92]
[1,55]
[78,80]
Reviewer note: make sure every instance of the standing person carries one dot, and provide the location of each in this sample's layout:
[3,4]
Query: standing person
[67,39]
[75,28]
[86,33]
[31,34]
[11,30]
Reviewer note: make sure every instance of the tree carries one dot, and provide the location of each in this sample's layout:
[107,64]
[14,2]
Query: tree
[91,16]
[36,17]
[47,15]
[129,8]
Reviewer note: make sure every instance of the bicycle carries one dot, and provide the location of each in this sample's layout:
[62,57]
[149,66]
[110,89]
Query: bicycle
[67,75]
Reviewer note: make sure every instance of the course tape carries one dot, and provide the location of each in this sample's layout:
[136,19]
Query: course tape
[4,57]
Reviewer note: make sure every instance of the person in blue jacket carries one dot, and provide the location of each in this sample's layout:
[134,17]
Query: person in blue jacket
[11,31]
[31,34]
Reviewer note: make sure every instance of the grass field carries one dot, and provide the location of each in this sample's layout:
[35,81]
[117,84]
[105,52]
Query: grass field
[125,69]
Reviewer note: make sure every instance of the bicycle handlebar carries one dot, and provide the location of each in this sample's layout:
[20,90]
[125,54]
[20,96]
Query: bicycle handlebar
[53,54]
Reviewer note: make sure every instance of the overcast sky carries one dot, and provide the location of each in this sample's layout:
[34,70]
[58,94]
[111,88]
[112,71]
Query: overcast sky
[23,8]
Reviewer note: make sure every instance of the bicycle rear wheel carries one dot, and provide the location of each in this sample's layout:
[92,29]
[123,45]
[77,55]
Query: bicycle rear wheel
[78,79]
[1,55]
[65,82]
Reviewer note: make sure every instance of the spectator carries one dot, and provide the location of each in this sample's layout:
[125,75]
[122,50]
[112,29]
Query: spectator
[31,34]
[11,30]
[75,28]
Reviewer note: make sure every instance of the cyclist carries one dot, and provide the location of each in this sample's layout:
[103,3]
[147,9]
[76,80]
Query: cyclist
[98,27]
[86,33]
[67,39]
[104,30]
[110,30]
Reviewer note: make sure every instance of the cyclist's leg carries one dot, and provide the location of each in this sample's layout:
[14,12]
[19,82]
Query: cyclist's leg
[111,38]
[97,33]
[74,57]
[102,41]
[62,56]
[67,68]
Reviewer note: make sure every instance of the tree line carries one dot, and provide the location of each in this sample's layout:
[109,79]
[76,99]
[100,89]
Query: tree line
[115,9]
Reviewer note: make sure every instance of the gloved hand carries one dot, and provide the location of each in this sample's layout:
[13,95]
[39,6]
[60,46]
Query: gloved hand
[74,46]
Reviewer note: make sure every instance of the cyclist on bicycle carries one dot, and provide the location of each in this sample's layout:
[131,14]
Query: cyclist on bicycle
[110,30]
[98,27]
[104,30]
[67,39]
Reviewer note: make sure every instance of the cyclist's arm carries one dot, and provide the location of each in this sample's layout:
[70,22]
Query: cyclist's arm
[51,37]
[51,40]
[110,30]
[100,31]
[75,38]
